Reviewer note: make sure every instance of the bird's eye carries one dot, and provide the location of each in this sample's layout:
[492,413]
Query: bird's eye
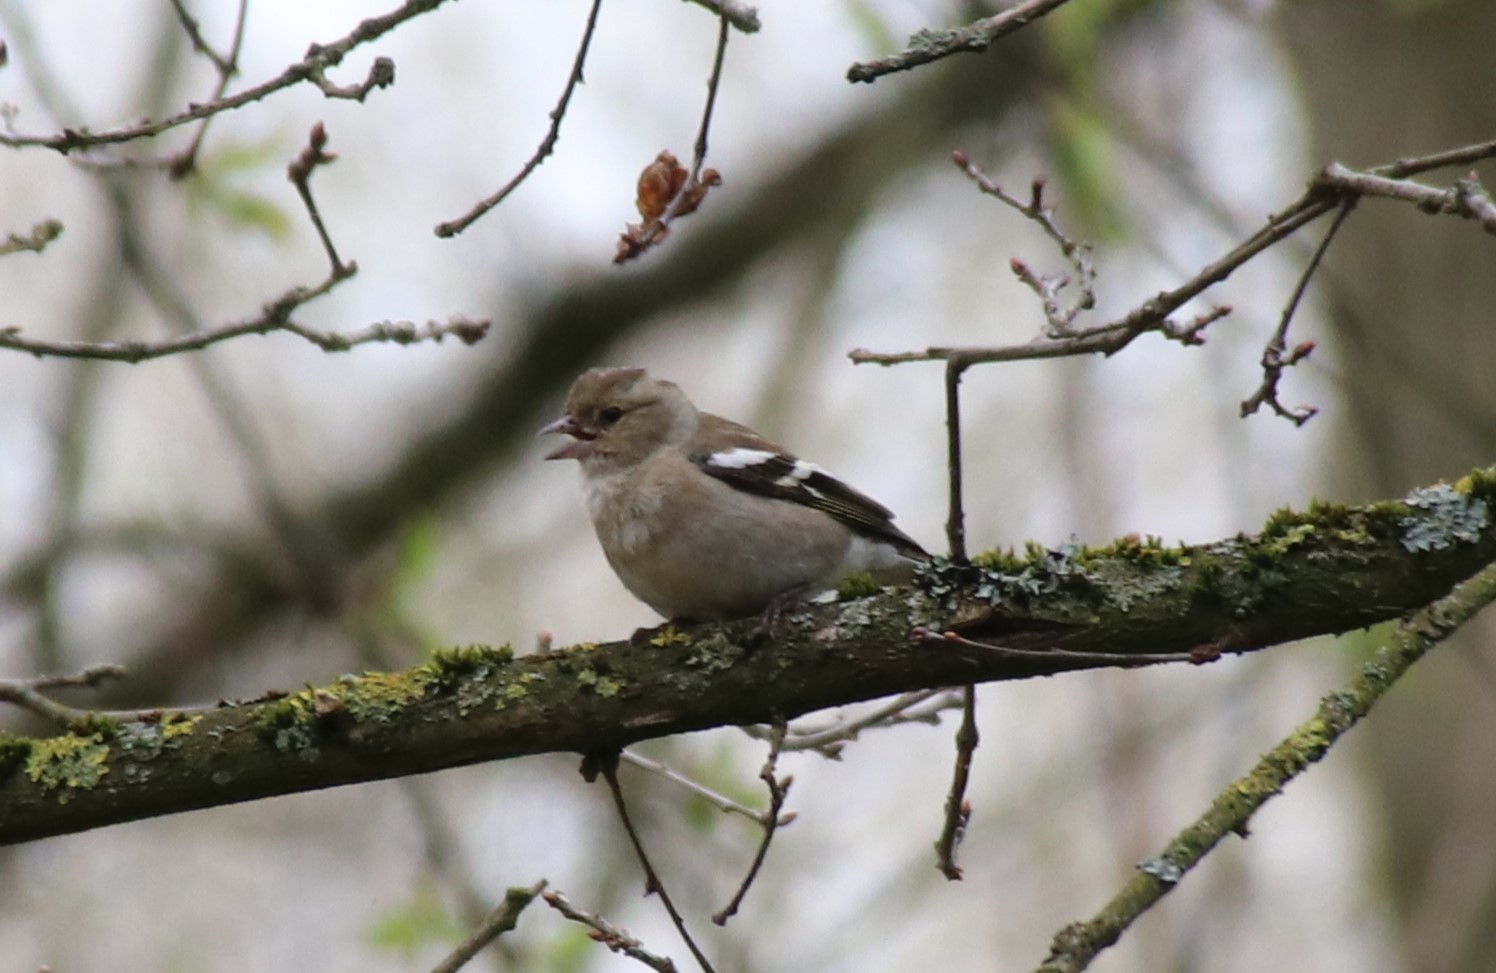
[610,415]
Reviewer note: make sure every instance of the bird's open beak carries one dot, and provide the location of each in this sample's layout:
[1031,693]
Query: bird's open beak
[581,438]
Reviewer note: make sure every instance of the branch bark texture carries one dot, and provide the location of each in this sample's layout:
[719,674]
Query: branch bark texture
[1328,570]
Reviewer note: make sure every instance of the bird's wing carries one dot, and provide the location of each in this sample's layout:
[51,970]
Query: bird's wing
[743,459]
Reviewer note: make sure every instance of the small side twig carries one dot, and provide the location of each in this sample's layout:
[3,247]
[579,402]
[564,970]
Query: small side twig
[299,172]
[721,801]
[547,145]
[501,920]
[1275,354]
[1046,286]
[1127,660]
[779,788]
[27,693]
[932,45]
[828,741]
[957,807]
[607,766]
[616,939]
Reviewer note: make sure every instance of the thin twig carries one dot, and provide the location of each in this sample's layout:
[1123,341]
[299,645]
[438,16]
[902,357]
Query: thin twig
[828,740]
[299,172]
[955,523]
[547,145]
[932,45]
[712,84]
[1198,656]
[1075,946]
[611,936]
[957,807]
[779,788]
[1275,354]
[318,60]
[608,767]
[499,921]
[721,801]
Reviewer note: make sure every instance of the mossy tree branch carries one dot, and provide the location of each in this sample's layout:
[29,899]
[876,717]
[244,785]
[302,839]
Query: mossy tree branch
[1329,570]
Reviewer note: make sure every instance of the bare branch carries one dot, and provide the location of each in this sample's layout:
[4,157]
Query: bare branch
[276,317]
[501,920]
[318,60]
[547,145]
[932,45]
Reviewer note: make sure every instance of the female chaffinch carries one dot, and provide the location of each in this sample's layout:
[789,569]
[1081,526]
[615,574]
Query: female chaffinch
[704,519]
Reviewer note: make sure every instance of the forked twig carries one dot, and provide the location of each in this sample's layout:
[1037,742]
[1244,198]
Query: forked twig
[1275,355]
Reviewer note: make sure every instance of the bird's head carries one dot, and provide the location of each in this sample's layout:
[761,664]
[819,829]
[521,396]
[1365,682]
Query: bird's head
[618,416]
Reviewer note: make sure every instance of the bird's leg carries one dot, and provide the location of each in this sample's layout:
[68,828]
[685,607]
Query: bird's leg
[781,605]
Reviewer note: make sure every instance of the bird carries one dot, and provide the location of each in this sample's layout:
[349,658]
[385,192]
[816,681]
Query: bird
[702,518]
